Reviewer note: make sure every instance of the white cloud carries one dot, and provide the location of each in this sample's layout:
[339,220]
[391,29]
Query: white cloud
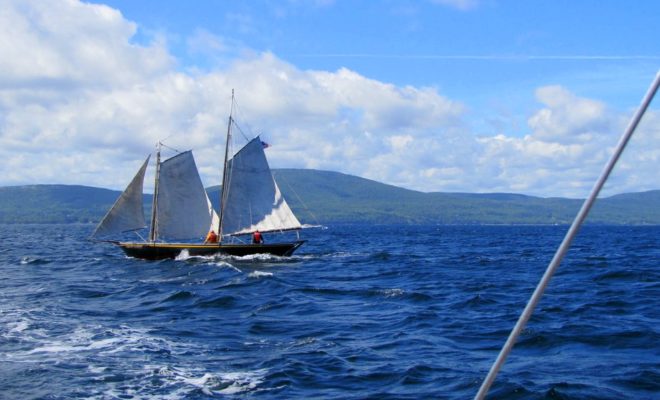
[567,117]
[80,103]
[570,141]
[64,44]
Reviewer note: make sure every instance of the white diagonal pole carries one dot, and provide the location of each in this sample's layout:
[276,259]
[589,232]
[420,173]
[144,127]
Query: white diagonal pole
[566,243]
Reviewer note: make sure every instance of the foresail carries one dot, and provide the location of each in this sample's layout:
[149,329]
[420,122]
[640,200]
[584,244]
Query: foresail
[182,208]
[215,219]
[127,213]
[254,202]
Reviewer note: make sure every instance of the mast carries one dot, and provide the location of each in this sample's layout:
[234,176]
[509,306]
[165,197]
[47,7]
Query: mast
[153,231]
[223,191]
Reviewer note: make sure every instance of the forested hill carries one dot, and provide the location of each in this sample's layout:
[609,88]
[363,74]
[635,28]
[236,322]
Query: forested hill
[323,197]
[338,197]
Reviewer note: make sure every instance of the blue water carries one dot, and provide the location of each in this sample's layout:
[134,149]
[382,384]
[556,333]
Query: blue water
[401,312]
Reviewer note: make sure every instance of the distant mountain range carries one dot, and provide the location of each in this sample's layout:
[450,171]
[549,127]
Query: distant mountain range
[323,197]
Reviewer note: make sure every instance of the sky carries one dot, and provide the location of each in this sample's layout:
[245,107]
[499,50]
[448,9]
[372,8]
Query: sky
[478,96]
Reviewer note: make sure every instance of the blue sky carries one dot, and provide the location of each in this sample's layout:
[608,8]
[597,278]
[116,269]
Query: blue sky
[473,52]
[445,95]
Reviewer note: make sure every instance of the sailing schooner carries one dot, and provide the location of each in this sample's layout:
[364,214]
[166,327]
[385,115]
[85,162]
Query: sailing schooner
[182,213]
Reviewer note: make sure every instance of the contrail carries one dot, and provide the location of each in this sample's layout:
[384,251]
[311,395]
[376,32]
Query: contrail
[481,57]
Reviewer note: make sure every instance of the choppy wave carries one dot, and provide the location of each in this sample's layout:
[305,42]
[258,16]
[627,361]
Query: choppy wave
[33,260]
[414,312]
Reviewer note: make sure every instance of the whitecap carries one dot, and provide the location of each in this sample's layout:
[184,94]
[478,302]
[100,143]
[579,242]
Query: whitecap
[227,383]
[225,264]
[309,226]
[304,341]
[392,292]
[242,381]
[183,256]
[86,339]
[199,382]
[259,274]
[18,327]
[54,348]
[259,257]
[218,259]
[96,370]
[25,260]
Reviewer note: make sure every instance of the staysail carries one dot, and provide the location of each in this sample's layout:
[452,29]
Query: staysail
[253,200]
[215,219]
[127,214]
[183,210]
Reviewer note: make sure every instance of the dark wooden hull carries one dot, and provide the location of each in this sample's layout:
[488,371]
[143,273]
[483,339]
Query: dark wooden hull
[160,251]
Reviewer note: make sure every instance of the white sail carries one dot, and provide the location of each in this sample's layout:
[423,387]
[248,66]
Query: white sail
[253,200]
[182,210]
[127,213]
[215,219]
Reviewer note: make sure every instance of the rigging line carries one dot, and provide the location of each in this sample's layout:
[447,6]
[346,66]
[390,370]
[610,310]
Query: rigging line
[171,148]
[239,113]
[566,243]
[140,236]
[241,131]
[168,138]
[300,199]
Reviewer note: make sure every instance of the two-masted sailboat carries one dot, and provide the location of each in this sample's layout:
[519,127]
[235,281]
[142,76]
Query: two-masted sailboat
[182,214]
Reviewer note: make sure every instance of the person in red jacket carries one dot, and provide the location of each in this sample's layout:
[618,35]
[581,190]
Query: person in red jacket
[212,237]
[257,238]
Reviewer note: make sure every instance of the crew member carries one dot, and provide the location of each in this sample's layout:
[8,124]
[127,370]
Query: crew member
[257,238]
[212,237]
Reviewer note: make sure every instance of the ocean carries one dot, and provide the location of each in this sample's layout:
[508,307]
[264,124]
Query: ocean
[380,312]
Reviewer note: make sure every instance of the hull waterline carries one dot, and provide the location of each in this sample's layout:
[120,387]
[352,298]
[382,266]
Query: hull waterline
[160,251]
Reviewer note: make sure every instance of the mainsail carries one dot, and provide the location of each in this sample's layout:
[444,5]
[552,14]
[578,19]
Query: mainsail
[127,214]
[253,200]
[183,210]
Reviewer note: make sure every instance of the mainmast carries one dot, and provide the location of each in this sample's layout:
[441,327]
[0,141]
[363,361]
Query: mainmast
[224,192]
[153,230]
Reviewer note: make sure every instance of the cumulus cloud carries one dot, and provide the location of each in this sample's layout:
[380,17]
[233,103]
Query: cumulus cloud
[62,44]
[569,141]
[339,120]
[80,103]
[567,117]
